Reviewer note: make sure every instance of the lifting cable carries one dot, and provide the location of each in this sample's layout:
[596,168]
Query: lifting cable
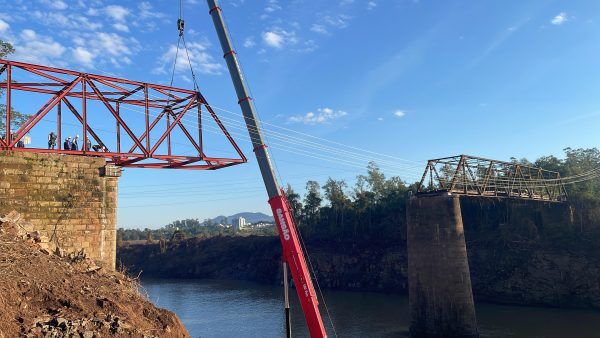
[181,30]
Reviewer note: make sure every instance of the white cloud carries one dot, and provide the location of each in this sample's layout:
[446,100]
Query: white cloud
[83,56]
[278,38]
[121,27]
[146,11]
[323,115]
[103,47]
[93,11]
[28,34]
[337,21]
[4,26]
[118,13]
[307,47]
[199,58]
[317,28]
[237,4]
[111,43]
[380,119]
[35,48]
[60,21]
[272,6]
[55,4]
[371,5]
[559,19]
[399,113]
[77,37]
[60,5]
[273,39]
[328,22]
[249,42]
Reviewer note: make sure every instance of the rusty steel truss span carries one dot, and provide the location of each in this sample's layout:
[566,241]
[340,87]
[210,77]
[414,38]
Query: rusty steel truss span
[141,144]
[475,176]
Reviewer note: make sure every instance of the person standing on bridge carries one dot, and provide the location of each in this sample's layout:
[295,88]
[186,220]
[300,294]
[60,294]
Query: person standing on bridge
[75,145]
[52,140]
[68,144]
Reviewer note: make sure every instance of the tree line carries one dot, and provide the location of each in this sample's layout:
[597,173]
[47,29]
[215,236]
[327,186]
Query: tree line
[373,209]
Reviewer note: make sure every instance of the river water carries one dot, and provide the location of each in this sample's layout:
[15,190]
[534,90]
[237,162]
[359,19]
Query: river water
[210,308]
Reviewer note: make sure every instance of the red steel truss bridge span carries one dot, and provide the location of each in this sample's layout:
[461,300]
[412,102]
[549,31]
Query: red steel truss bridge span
[475,176]
[130,123]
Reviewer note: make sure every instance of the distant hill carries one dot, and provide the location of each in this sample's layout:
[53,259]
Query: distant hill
[251,217]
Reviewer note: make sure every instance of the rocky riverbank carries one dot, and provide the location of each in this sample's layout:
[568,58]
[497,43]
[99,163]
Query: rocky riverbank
[54,294]
[525,253]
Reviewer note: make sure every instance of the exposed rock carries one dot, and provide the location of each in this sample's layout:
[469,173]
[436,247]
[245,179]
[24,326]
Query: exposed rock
[69,295]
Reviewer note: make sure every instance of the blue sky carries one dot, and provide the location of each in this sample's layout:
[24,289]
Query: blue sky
[394,81]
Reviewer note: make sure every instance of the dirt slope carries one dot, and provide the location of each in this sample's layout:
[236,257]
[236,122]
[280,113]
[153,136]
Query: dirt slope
[45,294]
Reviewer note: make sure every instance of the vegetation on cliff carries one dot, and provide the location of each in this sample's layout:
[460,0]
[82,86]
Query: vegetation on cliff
[373,210]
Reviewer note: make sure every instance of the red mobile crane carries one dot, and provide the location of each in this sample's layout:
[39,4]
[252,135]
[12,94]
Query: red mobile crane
[292,251]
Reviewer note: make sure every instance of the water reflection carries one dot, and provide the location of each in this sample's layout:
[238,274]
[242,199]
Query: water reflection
[244,309]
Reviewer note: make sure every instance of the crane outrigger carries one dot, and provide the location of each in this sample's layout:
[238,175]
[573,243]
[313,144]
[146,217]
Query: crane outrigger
[292,250]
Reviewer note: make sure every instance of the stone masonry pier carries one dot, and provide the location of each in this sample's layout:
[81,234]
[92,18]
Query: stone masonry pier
[440,295]
[72,200]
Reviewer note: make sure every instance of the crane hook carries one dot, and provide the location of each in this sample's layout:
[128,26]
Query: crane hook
[180,26]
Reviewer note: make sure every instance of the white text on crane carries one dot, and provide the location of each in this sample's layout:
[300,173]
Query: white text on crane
[284,227]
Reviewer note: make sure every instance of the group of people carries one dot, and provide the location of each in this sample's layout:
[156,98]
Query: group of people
[72,143]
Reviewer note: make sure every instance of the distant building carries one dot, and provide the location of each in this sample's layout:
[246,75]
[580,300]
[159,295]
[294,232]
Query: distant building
[241,223]
[262,225]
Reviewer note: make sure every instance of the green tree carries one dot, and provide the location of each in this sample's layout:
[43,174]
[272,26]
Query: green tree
[294,201]
[582,162]
[312,200]
[5,49]
[374,181]
[16,118]
[338,204]
[334,193]
[549,163]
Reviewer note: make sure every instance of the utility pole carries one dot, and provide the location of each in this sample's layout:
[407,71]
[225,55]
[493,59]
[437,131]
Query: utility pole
[292,251]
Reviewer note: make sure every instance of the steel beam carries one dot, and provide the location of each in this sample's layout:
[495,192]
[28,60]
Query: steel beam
[173,103]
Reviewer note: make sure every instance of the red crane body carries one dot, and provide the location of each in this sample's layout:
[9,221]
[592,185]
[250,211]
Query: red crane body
[290,241]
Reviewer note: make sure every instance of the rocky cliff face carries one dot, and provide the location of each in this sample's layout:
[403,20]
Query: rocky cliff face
[527,253]
[258,258]
[532,253]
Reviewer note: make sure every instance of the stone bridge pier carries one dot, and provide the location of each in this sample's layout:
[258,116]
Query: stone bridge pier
[440,295]
[70,200]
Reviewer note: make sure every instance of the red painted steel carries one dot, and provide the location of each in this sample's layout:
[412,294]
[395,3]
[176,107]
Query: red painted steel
[173,104]
[293,255]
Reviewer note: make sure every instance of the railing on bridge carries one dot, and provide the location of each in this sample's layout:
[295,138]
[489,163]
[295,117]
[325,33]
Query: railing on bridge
[475,176]
[143,118]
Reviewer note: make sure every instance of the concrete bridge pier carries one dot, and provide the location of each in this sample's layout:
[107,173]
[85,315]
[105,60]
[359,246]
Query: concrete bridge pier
[440,295]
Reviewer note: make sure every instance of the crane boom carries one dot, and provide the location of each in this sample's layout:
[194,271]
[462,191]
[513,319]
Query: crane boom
[292,251]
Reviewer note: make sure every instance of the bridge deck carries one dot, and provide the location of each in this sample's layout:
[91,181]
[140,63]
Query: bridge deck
[476,176]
